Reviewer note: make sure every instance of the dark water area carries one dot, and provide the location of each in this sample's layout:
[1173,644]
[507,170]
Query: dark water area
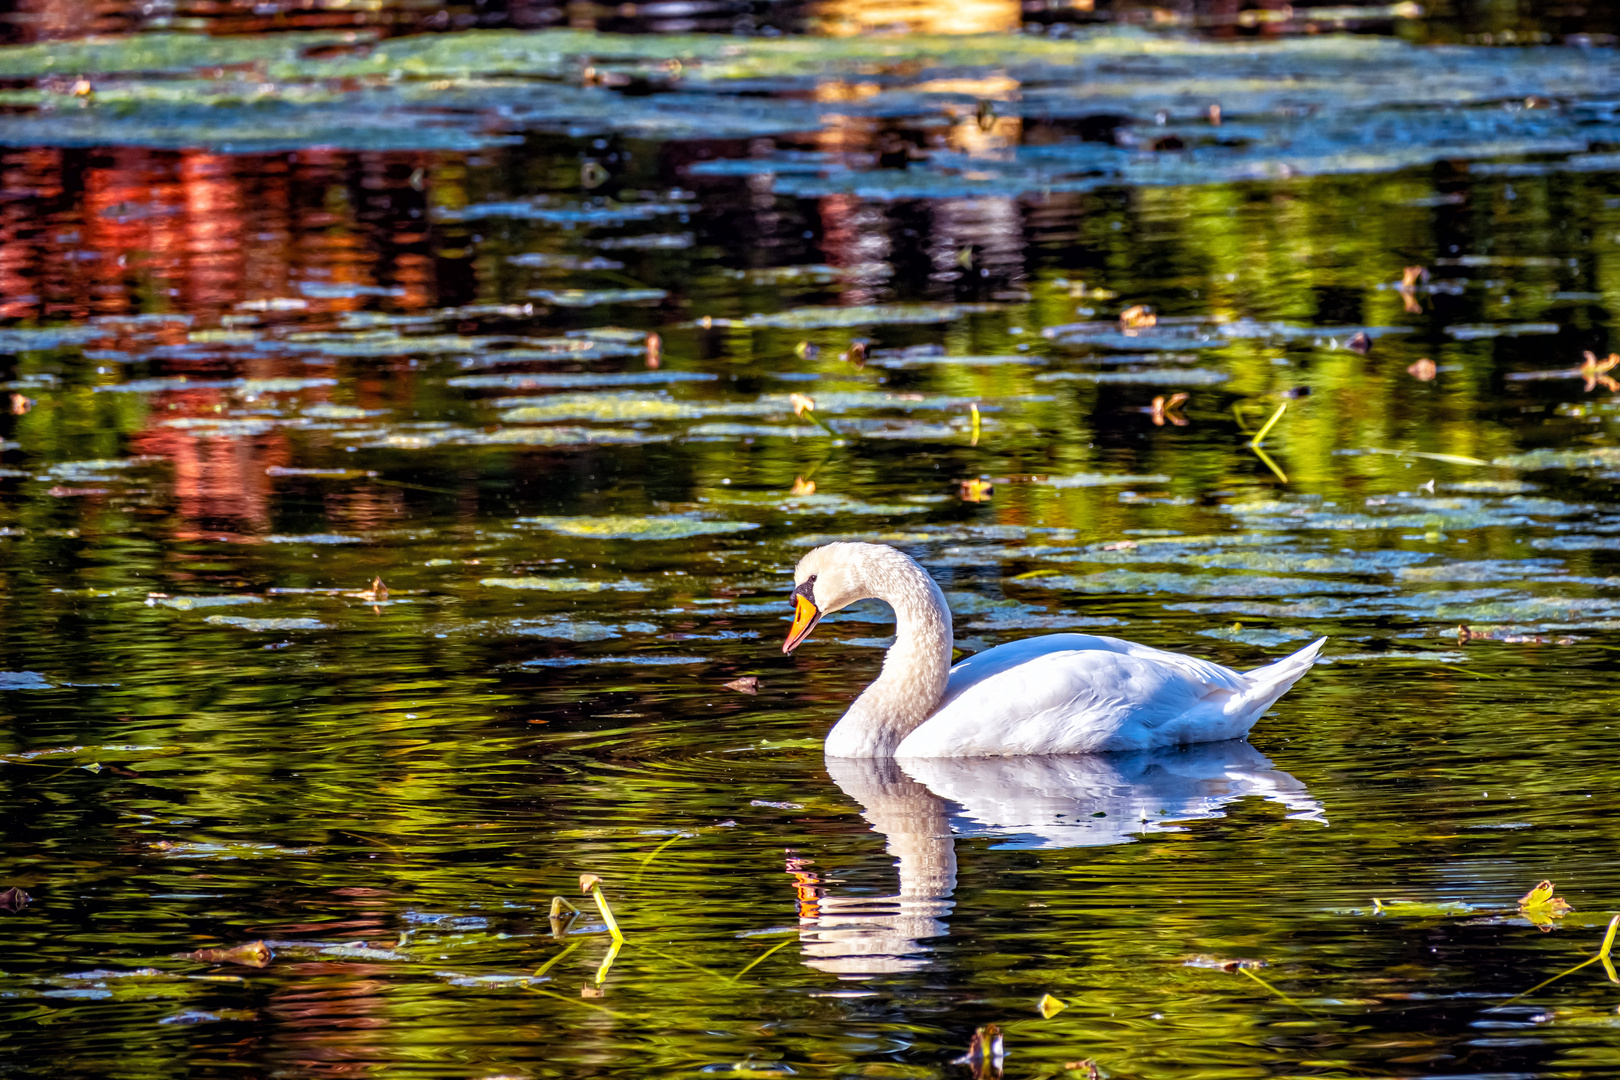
[407,443]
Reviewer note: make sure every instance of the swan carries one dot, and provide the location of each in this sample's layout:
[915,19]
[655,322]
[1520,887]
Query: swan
[1055,694]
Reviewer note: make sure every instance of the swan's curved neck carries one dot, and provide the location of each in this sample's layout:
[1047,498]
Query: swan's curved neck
[914,671]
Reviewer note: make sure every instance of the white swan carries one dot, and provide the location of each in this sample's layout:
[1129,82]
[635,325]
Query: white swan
[1055,694]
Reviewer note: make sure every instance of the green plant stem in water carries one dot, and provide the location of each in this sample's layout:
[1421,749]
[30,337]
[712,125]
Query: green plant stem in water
[657,851]
[1278,992]
[549,964]
[1602,956]
[761,958]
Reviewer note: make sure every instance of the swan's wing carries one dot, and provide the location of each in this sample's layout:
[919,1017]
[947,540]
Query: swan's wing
[1078,694]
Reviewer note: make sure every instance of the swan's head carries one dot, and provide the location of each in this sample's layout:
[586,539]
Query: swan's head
[830,577]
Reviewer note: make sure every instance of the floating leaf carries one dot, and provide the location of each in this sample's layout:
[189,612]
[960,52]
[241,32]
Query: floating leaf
[1540,906]
[985,1054]
[13,899]
[1137,317]
[1050,1006]
[253,954]
[748,684]
[975,490]
[1221,963]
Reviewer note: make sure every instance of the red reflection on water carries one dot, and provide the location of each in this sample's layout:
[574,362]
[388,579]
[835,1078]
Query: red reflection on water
[227,240]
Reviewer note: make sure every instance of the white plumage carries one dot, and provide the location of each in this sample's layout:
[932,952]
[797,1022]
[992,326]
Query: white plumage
[1055,694]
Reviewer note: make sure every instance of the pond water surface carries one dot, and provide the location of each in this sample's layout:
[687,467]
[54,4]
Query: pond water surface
[513,328]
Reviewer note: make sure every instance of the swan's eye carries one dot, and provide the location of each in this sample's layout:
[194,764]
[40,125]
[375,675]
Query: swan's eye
[806,590]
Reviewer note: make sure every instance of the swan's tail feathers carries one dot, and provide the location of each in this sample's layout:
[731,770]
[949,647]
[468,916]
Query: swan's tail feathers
[1267,684]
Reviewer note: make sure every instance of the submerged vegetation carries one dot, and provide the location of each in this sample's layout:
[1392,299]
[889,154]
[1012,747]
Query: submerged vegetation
[408,441]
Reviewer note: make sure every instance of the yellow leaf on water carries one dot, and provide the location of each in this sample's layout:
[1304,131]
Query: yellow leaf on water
[1050,1006]
[1541,907]
[1537,896]
[975,490]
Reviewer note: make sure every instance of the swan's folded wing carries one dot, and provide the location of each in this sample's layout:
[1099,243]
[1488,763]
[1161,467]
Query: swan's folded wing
[1076,694]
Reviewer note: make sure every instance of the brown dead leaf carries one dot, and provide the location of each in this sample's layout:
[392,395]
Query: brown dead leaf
[801,486]
[1412,276]
[13,899]
[1594,371]
[856,353]
[592,992]
[985,1053]
[20,404]
[654,350]
[1137,317]
[801,404]
[1168,408]
[1359,342]
[1423,370]
[1223,963]
[748,684]
[253,954]
[1214,114]
[587,882]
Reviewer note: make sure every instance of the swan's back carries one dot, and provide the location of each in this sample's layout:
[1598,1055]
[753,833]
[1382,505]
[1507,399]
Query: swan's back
[1081,694]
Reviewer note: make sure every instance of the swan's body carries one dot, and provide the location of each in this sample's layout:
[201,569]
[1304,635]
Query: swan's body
[1056,694]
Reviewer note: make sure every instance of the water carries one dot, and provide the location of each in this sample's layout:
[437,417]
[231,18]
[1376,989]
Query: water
[398,329]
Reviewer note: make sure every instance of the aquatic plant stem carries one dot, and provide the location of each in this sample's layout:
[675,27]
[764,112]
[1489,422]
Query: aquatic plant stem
[1602,956]
[761,958]
[657,851]
[592,884]
[1255,443]
[607,961]
[1278,992]
[549,964]
[820,423]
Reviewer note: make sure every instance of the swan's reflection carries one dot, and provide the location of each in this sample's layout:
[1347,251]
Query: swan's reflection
[921,806]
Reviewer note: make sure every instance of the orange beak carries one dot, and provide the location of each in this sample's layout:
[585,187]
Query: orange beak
[805,617]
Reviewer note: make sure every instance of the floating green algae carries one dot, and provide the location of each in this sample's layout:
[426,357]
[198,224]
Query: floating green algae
[1597,457]
[562,584]
[637,528]
[815,318]
[265,625]
[623,407]
[596,297]
[193,603]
